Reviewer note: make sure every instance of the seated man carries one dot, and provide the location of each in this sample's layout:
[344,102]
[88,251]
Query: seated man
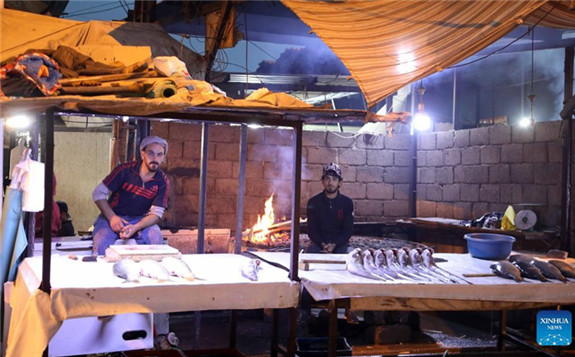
[67,228]
[138,196]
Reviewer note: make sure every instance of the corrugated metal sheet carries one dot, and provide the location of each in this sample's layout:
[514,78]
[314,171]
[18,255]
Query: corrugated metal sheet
[388,44]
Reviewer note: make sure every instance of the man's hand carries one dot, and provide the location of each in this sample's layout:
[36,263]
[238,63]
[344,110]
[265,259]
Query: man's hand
[327,247]
[117,223]
[128,231]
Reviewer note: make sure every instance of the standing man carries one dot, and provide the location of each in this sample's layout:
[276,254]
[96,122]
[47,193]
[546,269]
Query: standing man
[329,215]
[138,196]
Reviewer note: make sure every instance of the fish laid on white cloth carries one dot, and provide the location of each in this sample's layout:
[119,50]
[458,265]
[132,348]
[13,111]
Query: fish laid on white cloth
[178,267]
[250,269]
[127,269]
[154,270]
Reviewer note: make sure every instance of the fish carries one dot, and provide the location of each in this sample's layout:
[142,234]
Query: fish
[369,264]
[548,270]
[529,271]
[416,262]
[506,270]
[250,269]
[381,265]
[154,270]
[520,257]
[127,269]
[177,267]
[565,268]
[354,264]
[393,263]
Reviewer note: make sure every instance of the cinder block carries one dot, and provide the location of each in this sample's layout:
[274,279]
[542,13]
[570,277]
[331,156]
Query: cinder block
[186,240]
[512,153]
[470,156]
[444,175]
[499,173]
[548,130]
[490,154]
[535,152]
[479,136]
[461,138]
[499,134]
[352,156]
[445,139]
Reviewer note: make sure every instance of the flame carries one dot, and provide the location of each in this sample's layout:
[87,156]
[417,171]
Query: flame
[261,228]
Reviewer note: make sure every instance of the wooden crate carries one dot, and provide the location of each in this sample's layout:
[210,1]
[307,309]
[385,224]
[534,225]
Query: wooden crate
[186,240]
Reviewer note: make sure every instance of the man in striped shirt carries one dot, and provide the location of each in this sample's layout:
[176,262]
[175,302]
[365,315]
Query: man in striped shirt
[132,199]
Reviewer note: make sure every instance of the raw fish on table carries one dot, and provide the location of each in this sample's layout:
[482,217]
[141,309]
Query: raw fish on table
[127,269]
[250,269]
[153,269]
[178,267]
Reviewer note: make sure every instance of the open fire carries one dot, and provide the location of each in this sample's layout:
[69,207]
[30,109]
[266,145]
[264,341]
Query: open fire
[267,233]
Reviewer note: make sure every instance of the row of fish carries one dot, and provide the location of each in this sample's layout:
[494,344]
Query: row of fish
[404,264]
[158,270]
[520,266]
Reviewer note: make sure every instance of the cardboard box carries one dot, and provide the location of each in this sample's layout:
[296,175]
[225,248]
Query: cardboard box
[186,240]
[90,335]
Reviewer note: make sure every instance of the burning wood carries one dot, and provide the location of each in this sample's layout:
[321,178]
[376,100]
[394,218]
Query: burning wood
[265,232]
[274,228]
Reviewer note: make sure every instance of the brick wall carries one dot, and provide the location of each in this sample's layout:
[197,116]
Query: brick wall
[460,174]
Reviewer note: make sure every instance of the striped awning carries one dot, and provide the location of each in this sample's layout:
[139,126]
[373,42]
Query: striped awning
[387,44]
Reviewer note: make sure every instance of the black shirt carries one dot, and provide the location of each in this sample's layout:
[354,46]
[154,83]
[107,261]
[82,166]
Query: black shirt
[330,220]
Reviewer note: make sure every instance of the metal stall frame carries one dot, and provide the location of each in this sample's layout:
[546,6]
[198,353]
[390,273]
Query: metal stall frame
[206,115]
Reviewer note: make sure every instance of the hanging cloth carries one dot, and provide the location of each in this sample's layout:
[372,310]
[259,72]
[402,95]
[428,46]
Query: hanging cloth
[28,175]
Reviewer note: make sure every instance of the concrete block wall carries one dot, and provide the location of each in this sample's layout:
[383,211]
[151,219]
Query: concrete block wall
[460,174]
[375,170]
[466,173]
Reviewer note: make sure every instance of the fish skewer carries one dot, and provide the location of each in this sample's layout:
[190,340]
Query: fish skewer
[405,264]
[383,267]
[354,265]
[429,262]
[393,263]
[369,264]
[416,261]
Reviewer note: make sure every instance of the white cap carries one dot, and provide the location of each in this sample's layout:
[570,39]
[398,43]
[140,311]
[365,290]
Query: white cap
[154,140]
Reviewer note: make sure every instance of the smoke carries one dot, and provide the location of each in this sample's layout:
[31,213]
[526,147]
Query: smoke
[318,59]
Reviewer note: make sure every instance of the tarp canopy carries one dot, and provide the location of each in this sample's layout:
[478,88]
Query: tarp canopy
[21,31]
[388,44]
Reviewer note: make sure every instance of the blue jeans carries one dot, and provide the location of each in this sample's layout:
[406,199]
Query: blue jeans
[104,236]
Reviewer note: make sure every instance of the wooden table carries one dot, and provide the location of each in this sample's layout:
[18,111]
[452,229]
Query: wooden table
[84,289]
[333,283]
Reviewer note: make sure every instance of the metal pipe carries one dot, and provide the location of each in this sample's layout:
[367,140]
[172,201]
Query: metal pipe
[295,208]
[453,107]
[241,188]
[567,242]
[48,197]
[203,180]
